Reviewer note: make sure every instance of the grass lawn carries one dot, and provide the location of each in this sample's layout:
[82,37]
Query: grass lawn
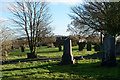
[85,69]
[46,52]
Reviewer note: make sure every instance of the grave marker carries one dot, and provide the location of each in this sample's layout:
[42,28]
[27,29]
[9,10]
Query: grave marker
[67,57]
[88,46]
[109,57]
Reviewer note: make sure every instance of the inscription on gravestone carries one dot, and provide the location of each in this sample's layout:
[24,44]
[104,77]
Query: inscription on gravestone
[67,57]
[109,58]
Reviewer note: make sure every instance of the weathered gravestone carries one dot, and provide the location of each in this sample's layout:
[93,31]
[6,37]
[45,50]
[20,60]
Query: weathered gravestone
[88,46]
[117,48]
[12,47]
[67,57]
[97,47]
[22,48]
[109,58]
[84,44]
[81,46]
[60,48]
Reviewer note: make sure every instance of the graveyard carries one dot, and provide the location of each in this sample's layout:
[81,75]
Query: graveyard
[61,40]
[47,66]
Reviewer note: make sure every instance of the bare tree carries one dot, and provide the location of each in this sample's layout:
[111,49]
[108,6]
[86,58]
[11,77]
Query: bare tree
[97,17]
[73,29]
[6,35]
[33,18]
[45,32]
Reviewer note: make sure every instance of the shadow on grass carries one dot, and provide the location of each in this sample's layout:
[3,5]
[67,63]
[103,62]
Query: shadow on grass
[74,48]
[55,51]
[87,71]
[93,56]
[24,60]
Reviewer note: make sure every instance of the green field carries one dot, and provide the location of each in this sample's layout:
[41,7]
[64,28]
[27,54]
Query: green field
[85,69]
[46,52]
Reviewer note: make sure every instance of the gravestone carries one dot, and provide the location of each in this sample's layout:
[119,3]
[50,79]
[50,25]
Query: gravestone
[97,47]
[88,46]
[81,46]
[109,58]
[117,48]
[84,44]
[12,47]
[60,48]
[22,48]
[67,57]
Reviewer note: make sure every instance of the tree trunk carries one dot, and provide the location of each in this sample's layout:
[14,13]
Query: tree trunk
[32,53]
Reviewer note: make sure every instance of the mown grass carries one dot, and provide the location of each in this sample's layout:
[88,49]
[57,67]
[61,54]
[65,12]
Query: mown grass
[46,52]
[85,69]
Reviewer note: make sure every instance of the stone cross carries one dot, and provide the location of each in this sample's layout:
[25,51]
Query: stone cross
[67,57]
[109,58]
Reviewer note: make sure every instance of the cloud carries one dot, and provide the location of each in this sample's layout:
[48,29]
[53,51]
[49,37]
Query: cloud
[3,19]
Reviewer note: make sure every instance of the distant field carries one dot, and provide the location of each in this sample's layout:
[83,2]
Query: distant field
[85,69]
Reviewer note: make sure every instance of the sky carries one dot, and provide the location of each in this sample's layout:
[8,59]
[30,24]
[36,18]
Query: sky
[58,8]
[60,18]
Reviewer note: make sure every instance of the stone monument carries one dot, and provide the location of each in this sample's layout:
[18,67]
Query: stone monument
[88,46]
[22,48]
[109,57]
[67,57]
[81,46]
[60,48]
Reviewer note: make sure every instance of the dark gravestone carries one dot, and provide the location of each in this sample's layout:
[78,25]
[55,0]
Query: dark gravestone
[97,47]
[88,46]
[81,46]
[67,57]
[12,47]
[60,48]
[117,48]
[22,48]
[84,44]
[109,58]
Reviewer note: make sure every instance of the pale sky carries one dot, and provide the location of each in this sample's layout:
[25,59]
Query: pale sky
[58,8]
